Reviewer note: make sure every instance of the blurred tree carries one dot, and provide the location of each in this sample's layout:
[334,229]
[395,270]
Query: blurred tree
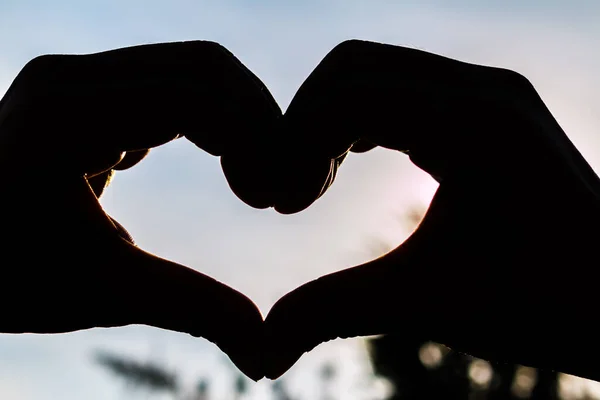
[156,379]
[327,374]
[139,375]
[202,389]
[279,390]
[152,377]
[241,386]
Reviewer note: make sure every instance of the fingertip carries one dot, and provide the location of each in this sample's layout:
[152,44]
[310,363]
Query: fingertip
[192,303]
[302,183]
[289,183]
[290,208]
[291,330]
[248,178]
[246,351]
[280,354]
[284,361]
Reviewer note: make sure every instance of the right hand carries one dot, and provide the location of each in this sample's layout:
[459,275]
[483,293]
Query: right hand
[509,240]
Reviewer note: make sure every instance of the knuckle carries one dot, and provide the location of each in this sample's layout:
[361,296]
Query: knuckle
[203,46]
[348,46]
[345,51]
[40,77]
[516,79]
[206,49]
[40,66]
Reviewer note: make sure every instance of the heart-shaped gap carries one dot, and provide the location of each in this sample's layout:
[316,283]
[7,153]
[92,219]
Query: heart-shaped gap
[177,204]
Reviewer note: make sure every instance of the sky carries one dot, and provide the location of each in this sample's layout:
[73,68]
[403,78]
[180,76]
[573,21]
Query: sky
[177,204]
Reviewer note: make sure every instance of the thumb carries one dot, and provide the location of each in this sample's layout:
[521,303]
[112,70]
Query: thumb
[80,270]
[369,299]
[160,293]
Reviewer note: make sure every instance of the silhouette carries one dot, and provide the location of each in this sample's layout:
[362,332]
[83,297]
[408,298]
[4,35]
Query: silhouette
[67,123]
[424,370]
[516,204]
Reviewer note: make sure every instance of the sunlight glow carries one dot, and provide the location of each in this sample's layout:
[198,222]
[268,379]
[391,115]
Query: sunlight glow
[431,355]
[382,389]
[524,382]
[572,387]
[480,373]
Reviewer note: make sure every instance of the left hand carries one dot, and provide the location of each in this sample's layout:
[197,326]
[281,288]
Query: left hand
[66,124]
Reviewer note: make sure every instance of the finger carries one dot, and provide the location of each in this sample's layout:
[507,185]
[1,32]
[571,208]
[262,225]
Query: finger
[428,106]
[163,294]
[375,298]
[287,183]
[304,181]
[136,98]
[115,289]
[100,279]
[264,176]
[124,285]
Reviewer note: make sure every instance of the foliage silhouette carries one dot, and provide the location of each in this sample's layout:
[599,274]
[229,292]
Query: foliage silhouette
[149,375]
[155,378]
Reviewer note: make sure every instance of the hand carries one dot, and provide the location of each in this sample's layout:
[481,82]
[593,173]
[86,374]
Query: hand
[508,245]
[66,124]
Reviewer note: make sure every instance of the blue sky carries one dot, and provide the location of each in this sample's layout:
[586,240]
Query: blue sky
[177,203]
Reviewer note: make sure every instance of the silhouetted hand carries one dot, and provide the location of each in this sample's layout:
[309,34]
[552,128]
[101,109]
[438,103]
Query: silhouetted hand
[502,265]
[66,124]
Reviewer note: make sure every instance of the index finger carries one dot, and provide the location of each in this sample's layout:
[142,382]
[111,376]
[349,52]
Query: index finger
[383,93]
[445,114]
[134,98]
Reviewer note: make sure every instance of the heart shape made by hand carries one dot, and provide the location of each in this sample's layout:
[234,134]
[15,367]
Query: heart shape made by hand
[68,122]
